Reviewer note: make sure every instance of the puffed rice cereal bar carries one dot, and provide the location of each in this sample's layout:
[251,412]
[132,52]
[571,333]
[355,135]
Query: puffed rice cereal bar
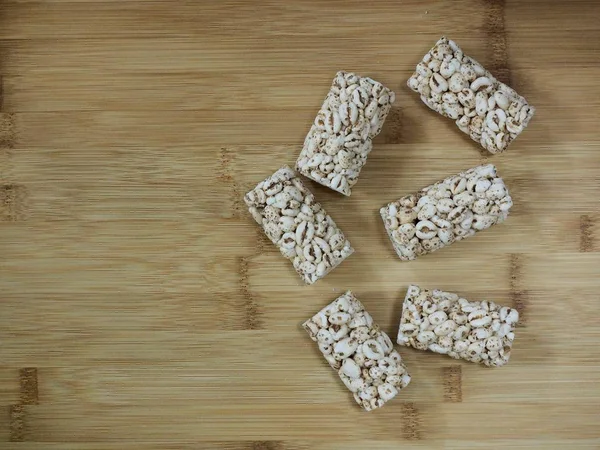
[339,141]
[446,212]
[362,354]
[298,225]
[458,87]
[480,332]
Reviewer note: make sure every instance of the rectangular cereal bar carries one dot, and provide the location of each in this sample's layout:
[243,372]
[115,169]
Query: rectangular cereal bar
[458,87]
[446,212]
[362,354]
[298,225]
[339,141]
[480,332]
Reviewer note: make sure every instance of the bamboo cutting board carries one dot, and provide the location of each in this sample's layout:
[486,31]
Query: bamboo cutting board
[142,308]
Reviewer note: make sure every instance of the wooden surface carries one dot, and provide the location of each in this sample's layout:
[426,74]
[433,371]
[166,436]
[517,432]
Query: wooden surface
[140,306]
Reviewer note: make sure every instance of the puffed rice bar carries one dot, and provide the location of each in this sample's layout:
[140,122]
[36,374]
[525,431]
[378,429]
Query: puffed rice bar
[458,87]
[339,141]
[298,225]
[480,332]
[446,212]
[359,351]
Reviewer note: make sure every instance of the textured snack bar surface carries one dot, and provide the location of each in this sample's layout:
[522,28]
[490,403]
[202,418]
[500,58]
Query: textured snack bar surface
[458,87]
[446,212]
[339,141]
[480,332]
[359,351]
[298,225]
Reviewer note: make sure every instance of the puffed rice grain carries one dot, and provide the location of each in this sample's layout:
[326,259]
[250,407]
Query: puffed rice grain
[481,332]
[298,225]
[340,139]
[363,355]
[458,87]
[446,212]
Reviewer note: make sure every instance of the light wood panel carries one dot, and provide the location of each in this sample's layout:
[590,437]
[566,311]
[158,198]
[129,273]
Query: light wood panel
[141,307]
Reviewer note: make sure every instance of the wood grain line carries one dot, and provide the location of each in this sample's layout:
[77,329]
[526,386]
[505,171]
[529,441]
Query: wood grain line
[251,309]
[12,202]
[28,379]
[392,132]
[516,264]
[17,423]
[7,131]
[586,240]
[519,300]
[452,380]
[266,445]
[261,241]
[1,93]
[518,296]
[411,426]
[226,156]
[496,37]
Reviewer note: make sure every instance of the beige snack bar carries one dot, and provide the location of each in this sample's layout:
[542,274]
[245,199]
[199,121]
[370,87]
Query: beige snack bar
[298,225]
[458,87]
[362,354]
[339,141]
[446,212]
[480,332]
